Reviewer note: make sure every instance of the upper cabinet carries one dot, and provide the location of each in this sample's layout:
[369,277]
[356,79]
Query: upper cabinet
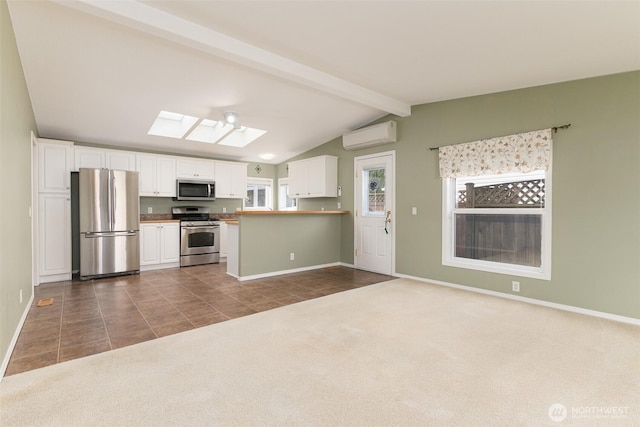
[195,168]
[89,157]
[96,158]
[55,159]
[121,160]
[231,180]
[157,175]
[314,177]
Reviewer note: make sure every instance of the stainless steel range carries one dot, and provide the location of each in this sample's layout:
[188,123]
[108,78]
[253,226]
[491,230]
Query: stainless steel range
[199,235]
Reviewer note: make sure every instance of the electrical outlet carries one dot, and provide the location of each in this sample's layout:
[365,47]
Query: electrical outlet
[20,296]
[339,205]
[292,256]
[224,210]
[149,210]
[414,211]
[515,286]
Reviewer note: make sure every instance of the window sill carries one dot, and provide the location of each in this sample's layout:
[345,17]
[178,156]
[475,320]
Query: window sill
[500,268]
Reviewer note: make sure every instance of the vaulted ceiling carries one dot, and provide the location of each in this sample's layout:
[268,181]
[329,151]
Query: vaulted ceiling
[304,71]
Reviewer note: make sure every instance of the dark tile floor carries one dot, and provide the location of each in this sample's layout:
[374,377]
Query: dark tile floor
[100,315]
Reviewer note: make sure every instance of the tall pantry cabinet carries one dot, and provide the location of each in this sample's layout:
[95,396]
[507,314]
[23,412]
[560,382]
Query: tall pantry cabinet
[55,162]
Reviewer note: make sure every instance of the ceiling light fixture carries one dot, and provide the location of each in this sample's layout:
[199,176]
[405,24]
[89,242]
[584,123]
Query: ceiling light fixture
[267,156]
[231,118]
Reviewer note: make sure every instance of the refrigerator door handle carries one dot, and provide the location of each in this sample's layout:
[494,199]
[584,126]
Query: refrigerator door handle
[113,199]
[90,235]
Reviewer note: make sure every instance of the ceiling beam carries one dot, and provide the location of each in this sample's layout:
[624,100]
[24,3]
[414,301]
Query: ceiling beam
[170,27]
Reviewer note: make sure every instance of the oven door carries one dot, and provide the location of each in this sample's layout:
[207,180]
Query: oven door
[199,240]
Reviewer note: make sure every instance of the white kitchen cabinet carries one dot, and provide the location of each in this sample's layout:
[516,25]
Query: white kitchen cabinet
[89,157]
[157,175]
[233,250]
[159,245]
[231,180]
[195,168]
[223,240]
[120,160]
[55,162]
[314,177]
[54,237]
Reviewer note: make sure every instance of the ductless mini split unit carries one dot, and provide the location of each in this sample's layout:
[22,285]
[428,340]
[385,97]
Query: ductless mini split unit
[369,136]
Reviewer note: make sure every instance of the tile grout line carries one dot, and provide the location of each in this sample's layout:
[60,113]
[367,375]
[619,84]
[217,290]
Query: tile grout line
[180,311]
[64,294]
[140,311]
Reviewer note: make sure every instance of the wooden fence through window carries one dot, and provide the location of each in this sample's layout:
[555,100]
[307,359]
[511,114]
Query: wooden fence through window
[521,194]
[512,239]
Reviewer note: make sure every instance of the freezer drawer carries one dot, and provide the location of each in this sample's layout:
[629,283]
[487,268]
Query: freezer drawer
[109,253]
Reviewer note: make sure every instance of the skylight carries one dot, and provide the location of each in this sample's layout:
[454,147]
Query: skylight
[209,131]
[241,137]
[175,125]
[172,125]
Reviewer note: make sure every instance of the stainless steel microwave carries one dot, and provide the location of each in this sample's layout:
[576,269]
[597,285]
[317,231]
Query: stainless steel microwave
[190,189]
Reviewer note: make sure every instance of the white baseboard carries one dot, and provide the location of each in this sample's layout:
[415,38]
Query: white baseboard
[293,270]
[54,278]
[594,313]
[152,267]
[14,340]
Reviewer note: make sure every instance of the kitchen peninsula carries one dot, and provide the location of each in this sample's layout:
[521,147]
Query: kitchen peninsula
[265,243]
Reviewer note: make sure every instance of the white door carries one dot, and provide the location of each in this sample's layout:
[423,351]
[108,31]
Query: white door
[374,216]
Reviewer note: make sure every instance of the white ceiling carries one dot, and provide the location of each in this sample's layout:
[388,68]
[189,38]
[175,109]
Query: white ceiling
[305,71]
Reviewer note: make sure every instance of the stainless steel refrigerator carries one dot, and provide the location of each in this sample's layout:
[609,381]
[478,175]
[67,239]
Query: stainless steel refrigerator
[109,222]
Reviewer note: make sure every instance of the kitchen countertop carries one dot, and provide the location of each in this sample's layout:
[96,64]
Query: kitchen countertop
[291,212]
[159,220]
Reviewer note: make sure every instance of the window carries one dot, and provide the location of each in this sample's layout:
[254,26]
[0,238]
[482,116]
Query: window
[374,203]
[285,203]
[496,207]
[498,223]
[259,194]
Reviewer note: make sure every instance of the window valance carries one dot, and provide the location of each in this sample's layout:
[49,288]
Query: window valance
[522,152]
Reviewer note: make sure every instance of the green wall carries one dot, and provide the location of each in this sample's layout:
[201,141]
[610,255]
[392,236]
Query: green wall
[596,173]
[16,123]
[267,240]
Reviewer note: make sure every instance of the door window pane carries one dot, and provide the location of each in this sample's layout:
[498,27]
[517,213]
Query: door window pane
[374,200]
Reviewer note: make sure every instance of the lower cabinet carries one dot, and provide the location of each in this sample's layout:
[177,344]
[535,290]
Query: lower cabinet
[54,237]
[223,241]
[159,245]
[233,250]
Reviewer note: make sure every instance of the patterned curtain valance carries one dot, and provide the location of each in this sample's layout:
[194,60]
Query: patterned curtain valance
[522,152]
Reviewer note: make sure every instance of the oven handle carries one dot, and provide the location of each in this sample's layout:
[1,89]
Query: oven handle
[204,228]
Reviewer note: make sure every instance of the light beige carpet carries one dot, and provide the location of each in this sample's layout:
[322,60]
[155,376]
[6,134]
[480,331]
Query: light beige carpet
[395,353]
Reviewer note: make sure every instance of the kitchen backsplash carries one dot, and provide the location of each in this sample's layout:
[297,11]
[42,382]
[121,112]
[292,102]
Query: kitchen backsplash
[163,205]
[164,217]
